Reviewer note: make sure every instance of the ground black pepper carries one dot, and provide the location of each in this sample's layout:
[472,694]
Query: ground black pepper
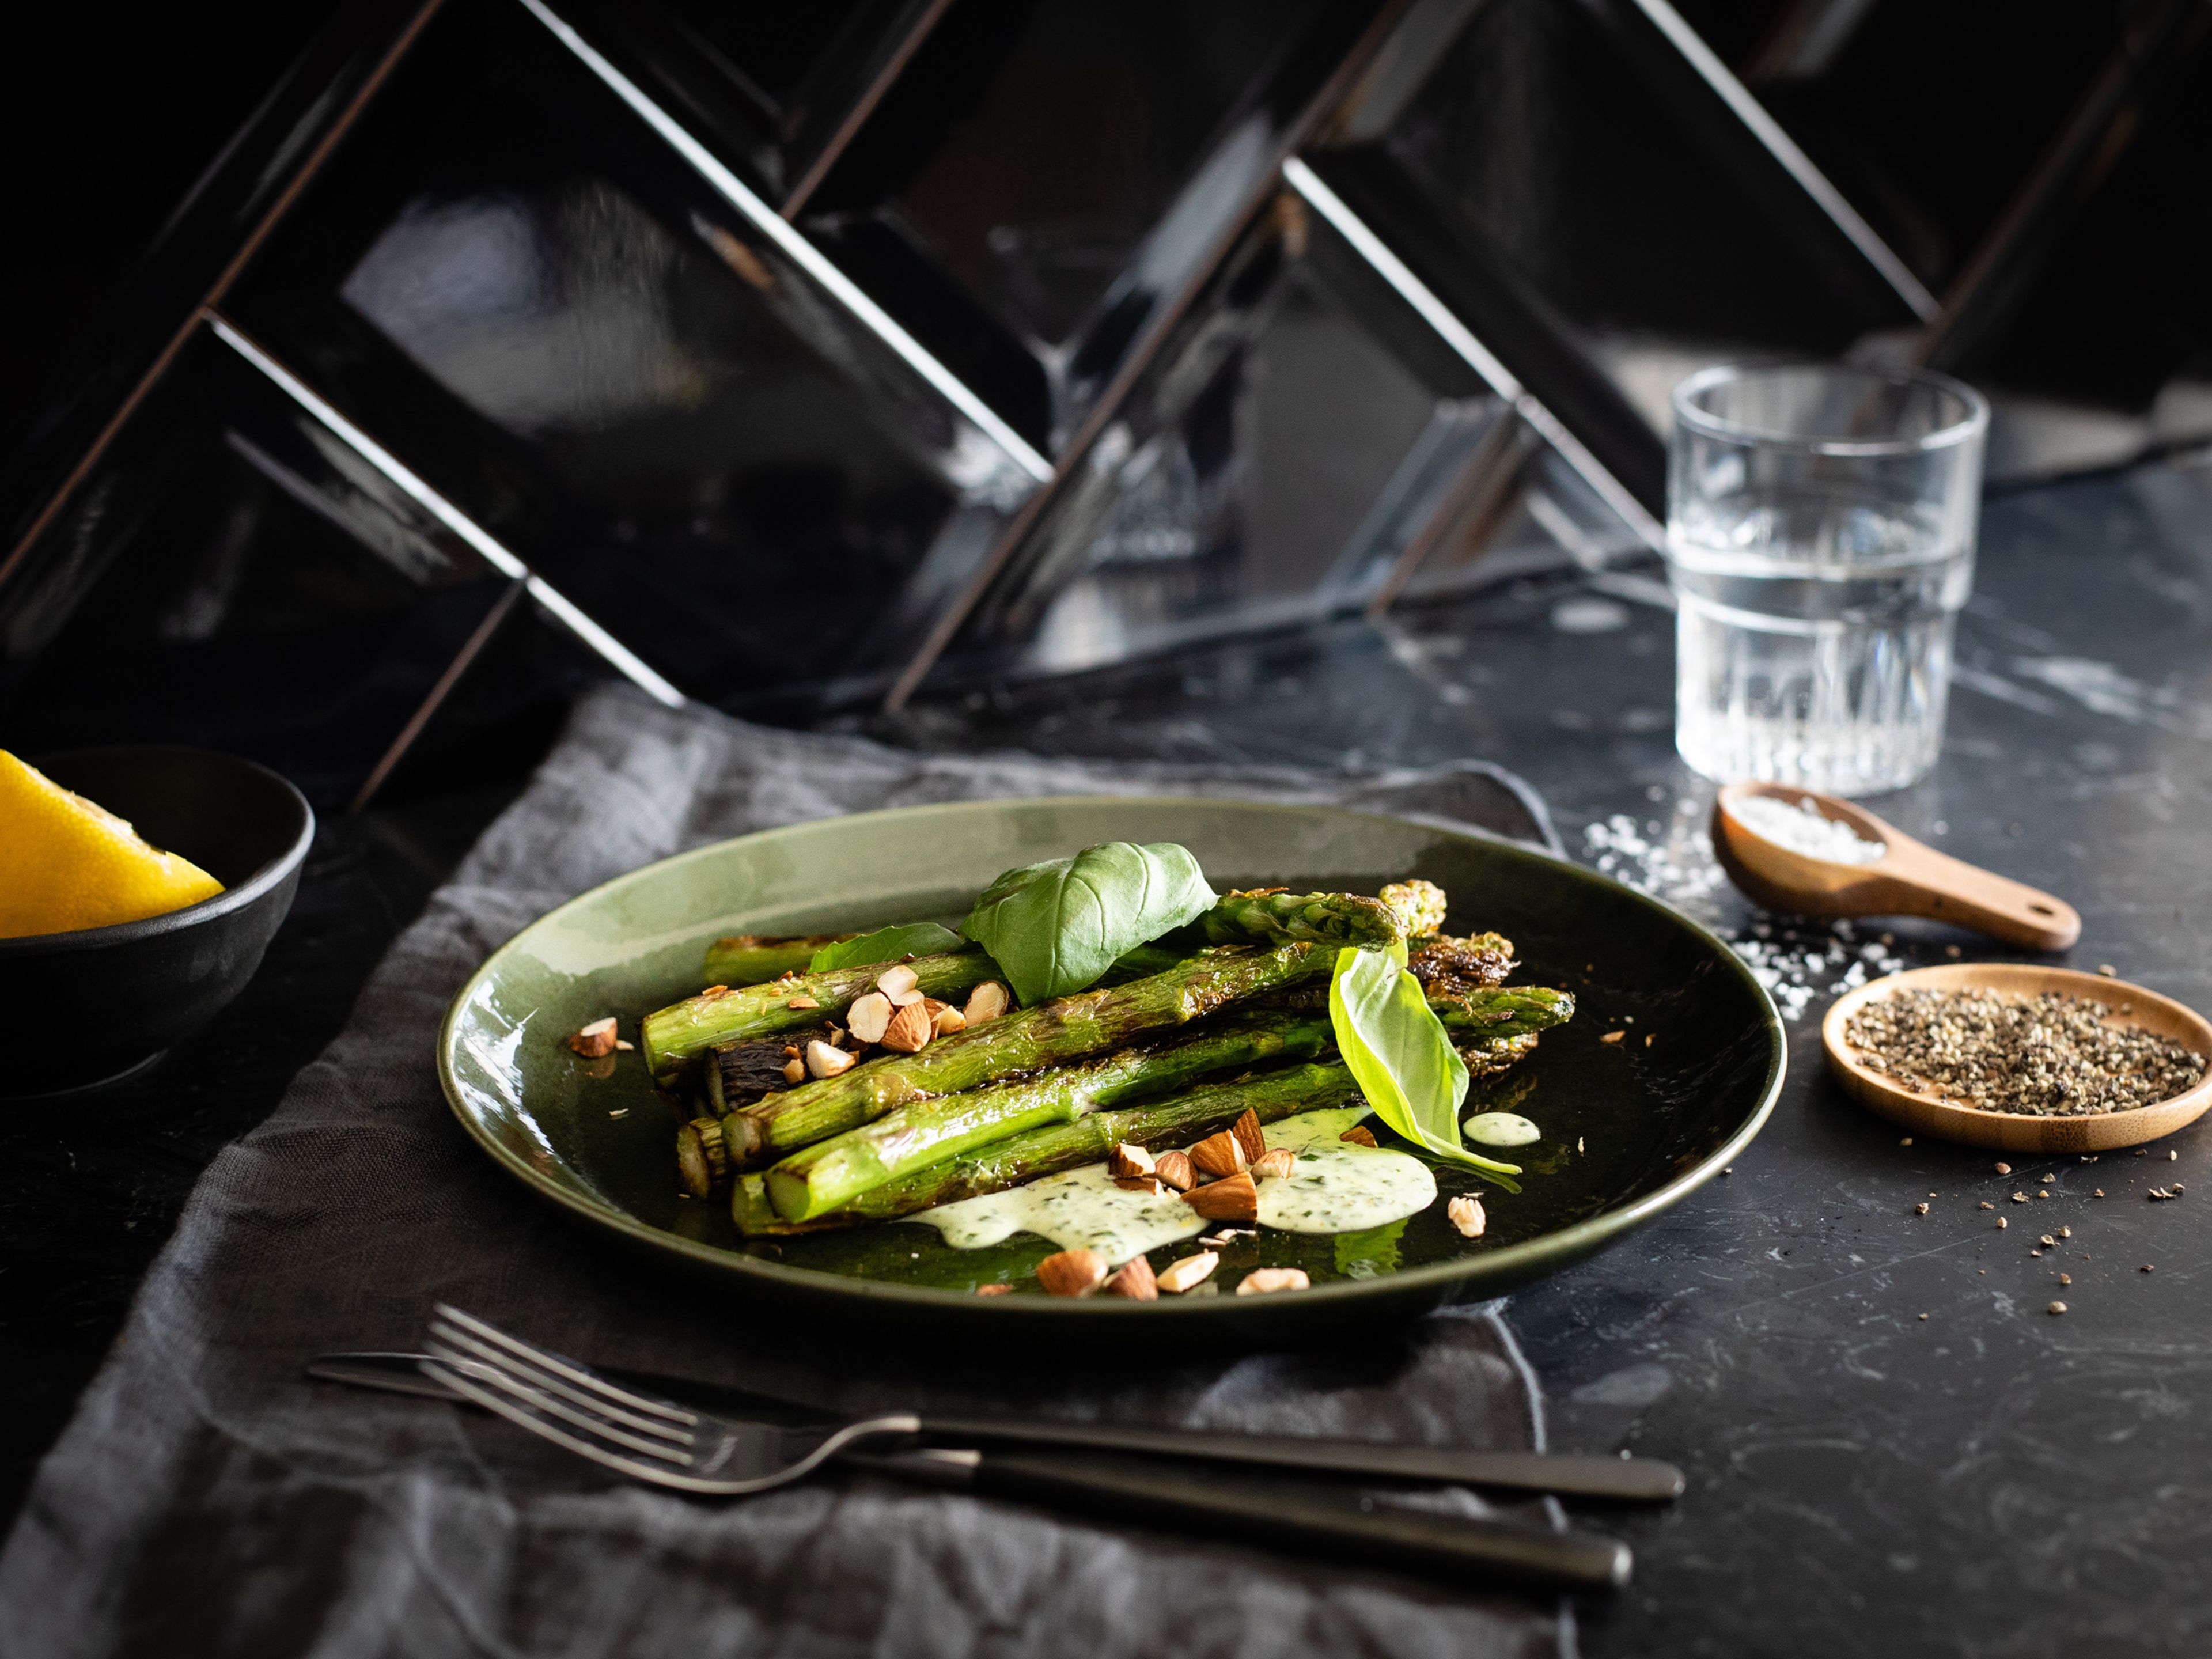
[2050,1055]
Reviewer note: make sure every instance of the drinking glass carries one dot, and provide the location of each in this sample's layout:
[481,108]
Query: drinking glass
[1820,529]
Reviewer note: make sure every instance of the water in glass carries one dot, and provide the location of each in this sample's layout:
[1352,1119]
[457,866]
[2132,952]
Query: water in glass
[1813,636]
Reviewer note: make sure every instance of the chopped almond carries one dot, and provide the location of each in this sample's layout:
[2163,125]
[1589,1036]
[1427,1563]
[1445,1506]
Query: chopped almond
[944,1020]
[1359,1135]
[624,1045]
[1613,1036]
[1139,1184]
[1266,1281]
[1277,1161]
[1072,1272]
[1127,1159]
[1249,1140]
[986,1001]
[1233,1198]
[896,982]
[1174,1168]
[909,1030]
[1136,1280]
[868,1016]
[822,1061]
[802,1002]
[994,1290]
[1218,1155]
[794,1071]
[1465,1214]
[1191,1271]
[596,1039]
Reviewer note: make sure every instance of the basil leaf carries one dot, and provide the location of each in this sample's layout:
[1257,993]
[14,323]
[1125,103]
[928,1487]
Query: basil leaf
[911,939]
[1055,927]
[1399,1052]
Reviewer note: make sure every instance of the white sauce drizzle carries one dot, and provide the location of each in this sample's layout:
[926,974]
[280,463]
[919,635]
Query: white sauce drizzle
[1501,1129]
[1079,1210]
[1337,1188]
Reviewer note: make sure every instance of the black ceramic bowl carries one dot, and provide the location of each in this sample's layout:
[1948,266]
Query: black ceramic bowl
[93,1005]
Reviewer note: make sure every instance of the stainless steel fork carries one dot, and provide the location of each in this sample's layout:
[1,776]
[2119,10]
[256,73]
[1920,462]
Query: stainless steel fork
[637,1434]
[660,1442]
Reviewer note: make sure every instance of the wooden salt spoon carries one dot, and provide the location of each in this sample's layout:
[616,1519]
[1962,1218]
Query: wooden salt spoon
[1910,878]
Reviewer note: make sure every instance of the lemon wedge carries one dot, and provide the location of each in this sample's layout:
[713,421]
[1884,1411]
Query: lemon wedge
[67,864]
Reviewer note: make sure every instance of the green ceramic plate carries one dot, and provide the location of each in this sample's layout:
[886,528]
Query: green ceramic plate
[1629,1127]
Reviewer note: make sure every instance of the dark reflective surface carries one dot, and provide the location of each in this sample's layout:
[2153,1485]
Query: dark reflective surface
[533,303]
[238,579]
[1162,123]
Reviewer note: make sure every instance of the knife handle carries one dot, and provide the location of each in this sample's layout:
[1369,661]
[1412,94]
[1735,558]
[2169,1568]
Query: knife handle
[1627,1479]
[1455,1548]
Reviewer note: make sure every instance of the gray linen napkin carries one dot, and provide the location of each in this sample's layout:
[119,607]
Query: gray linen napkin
[206,1499]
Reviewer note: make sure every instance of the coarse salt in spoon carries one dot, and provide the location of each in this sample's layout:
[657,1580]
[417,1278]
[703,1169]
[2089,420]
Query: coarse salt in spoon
[1793,851]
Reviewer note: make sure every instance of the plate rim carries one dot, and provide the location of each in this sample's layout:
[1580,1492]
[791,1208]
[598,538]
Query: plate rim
[1507,1266]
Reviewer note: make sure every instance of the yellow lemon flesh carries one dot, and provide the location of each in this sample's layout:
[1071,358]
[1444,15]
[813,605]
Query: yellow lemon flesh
[65,863]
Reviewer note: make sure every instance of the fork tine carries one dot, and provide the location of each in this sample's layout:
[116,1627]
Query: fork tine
[463,1382]
[546,1360]
[533,1389]
[498,1359]
[500,1379]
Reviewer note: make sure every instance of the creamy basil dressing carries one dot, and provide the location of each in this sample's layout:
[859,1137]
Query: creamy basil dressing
[1501,1129]
[1079,1210]
[1337,1188]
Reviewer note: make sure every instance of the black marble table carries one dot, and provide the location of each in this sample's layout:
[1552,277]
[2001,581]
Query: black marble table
[1892,1446]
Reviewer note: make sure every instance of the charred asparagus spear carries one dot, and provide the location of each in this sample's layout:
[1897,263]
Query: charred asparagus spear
[1023,1157]
[755,959]
[738,1074]
[1492,1014]
[676,1037]
[1454,967]
[1489,1057]
[832,1173]
[1067,1028]
[1493,1032]
[1500,1012]
[1418,904]
[1276,917]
